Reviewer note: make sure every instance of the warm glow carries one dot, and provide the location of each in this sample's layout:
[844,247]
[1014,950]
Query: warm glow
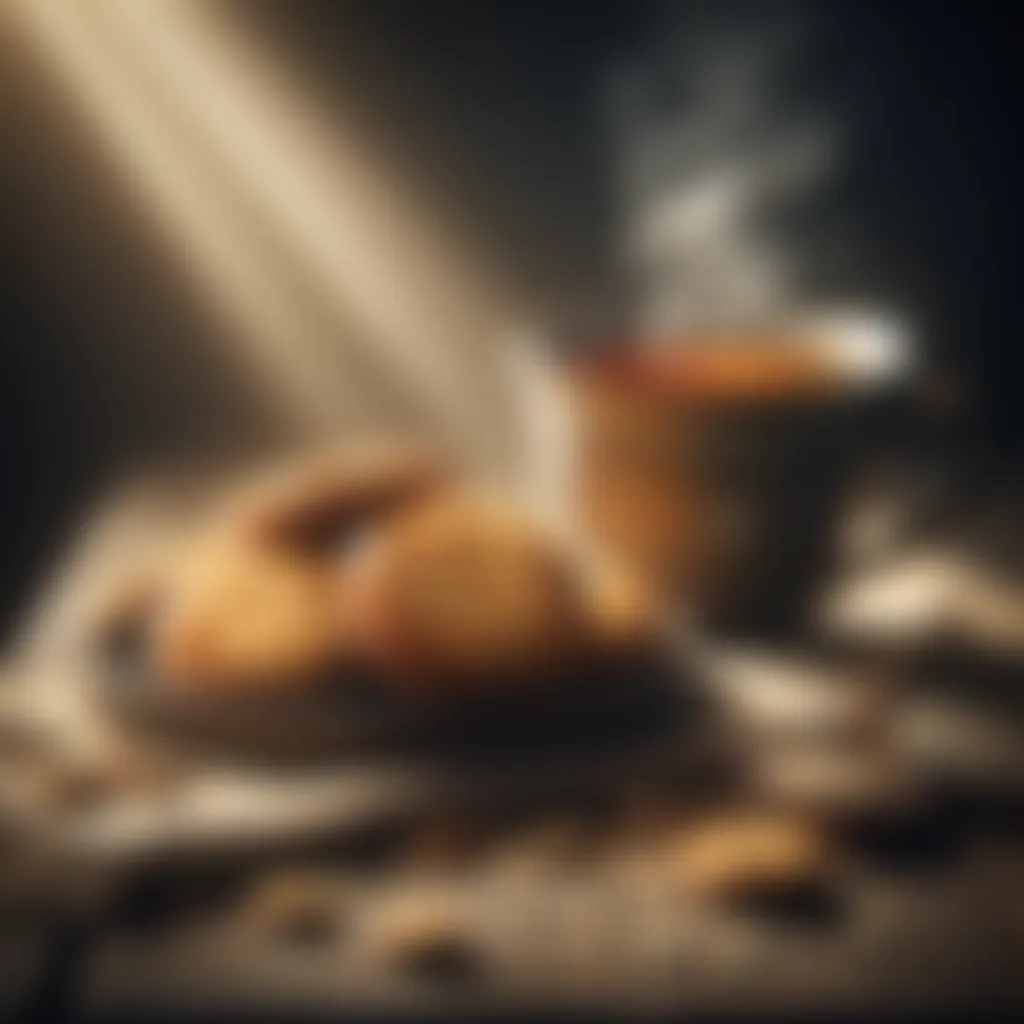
[336,291]
[168,177]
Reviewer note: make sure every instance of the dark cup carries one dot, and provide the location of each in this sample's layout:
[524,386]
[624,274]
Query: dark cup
[716,466]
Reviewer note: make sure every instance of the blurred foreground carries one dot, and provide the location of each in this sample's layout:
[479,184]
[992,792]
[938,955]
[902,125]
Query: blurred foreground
[674,660]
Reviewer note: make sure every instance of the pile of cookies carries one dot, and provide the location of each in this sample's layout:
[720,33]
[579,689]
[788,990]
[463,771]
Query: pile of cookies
[380,561]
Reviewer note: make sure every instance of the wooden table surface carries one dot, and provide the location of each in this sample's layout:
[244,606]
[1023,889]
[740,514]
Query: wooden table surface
[929,918]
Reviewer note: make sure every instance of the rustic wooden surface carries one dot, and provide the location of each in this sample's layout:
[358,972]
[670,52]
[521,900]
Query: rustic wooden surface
[930,920]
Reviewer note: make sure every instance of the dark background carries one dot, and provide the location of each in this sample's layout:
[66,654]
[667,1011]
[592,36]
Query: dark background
[495,108]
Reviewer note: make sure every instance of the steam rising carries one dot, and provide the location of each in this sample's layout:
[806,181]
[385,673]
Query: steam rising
[713,150]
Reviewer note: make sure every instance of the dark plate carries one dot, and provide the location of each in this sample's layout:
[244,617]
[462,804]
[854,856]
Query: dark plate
[600,707]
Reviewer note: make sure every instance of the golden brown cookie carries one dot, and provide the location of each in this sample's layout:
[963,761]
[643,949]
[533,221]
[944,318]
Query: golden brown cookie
[621,612]
[246,617]
[300,905]
[467,593]
[319,497]
[748,854]
[425,935]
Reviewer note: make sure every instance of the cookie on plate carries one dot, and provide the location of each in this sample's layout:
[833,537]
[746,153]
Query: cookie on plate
[467,593]
[621,612]
[249,617]
[321,497]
